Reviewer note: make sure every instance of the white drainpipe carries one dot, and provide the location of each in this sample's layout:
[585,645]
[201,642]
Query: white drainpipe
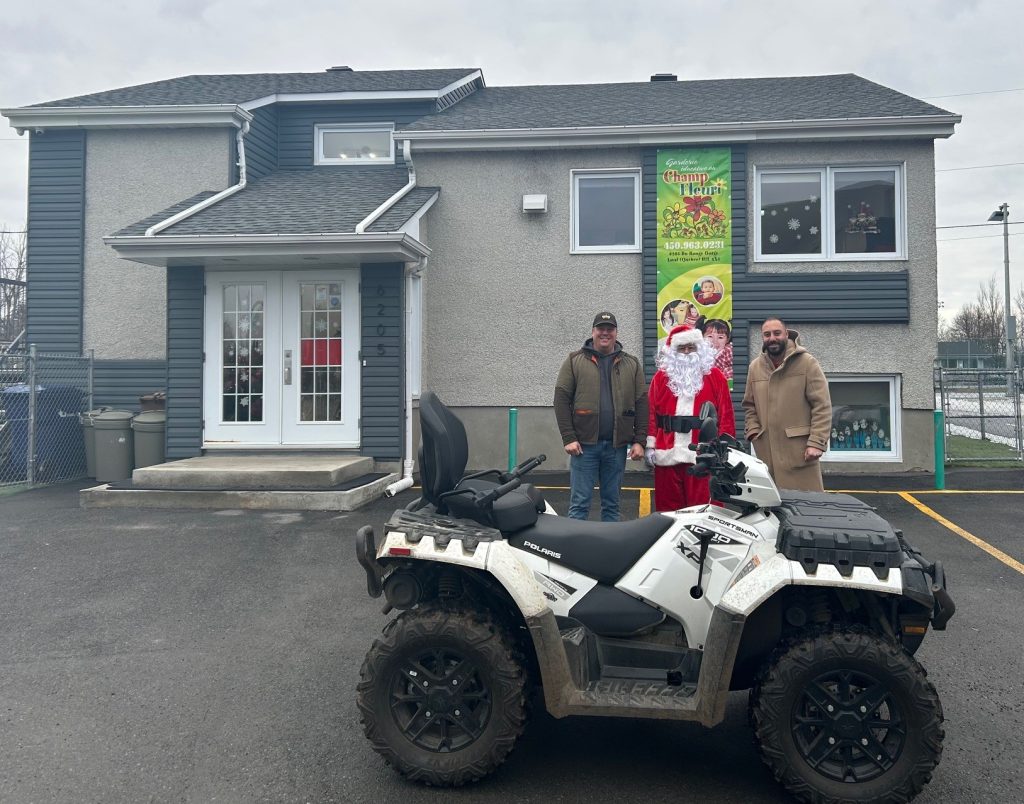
[156,228]
[408,463]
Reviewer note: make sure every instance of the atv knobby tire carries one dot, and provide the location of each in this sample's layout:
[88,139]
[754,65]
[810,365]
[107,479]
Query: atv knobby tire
[441,695]
[846,716]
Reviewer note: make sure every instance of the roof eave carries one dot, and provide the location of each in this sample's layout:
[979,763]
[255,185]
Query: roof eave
[175,250]
[199,115]
[918,127]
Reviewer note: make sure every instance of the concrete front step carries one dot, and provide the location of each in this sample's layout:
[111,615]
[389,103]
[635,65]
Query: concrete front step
[268,500]
[254,472]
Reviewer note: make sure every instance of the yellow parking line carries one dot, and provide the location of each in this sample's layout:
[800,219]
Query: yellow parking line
[928,491]
[995,552]
[645,502]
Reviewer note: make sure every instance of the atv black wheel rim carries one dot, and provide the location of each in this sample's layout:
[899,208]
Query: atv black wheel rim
[439,700]
[848,726]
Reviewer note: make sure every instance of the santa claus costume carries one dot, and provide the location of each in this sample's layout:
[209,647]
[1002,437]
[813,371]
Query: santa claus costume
[683,383]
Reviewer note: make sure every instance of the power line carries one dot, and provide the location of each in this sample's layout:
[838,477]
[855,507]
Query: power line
[980,92]
[978,237]
[978,167]
[972,225]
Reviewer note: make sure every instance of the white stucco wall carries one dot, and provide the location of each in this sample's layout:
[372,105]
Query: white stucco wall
[505,301]
[130,175]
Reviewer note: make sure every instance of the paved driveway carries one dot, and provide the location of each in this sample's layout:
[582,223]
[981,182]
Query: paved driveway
[201,656]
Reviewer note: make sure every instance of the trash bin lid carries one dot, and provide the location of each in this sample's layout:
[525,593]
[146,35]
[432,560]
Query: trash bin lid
[113,420]
[88,415]
[150,420]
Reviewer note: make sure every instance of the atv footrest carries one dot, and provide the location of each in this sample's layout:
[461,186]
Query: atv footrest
[637,692]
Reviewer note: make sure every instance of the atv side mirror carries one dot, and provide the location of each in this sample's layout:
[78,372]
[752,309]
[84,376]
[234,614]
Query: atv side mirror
[708,423]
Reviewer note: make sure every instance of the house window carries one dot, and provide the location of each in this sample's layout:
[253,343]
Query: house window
[830,213]
[865,418]
[363,143]
[605,211]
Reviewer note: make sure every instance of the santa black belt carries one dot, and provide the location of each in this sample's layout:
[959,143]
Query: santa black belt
[678,424]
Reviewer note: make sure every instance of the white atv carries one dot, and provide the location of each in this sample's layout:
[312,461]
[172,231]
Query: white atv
[812,601]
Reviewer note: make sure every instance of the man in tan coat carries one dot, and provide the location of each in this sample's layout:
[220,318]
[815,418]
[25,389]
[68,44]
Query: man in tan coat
[788,409]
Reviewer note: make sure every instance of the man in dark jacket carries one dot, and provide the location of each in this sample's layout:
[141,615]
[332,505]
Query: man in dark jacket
[601,409]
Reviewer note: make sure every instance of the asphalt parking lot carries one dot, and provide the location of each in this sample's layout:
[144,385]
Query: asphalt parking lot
[186,655]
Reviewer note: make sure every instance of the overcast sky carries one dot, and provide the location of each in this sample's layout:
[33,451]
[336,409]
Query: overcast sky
[931,50]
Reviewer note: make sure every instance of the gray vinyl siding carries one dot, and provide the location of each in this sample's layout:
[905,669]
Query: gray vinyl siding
[383,362]
[184,362]
[56,226]
[296,124]
[120,383]
[261,143]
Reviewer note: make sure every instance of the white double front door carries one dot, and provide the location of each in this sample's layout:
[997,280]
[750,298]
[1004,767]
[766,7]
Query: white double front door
[282,359]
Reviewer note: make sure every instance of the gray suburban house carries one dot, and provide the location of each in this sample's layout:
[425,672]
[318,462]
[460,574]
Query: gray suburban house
[295,256]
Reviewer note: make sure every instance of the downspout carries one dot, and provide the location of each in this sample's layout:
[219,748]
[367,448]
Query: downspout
[369,219]
[156,228]
[408,463]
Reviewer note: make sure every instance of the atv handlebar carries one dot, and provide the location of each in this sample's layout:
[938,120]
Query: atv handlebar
[516,481]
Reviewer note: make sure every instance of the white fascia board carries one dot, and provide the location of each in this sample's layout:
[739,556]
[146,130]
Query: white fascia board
[162,249]
[338,97]
[211,114]
[925,127]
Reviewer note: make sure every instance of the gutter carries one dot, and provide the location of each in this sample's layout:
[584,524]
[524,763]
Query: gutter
[373,216]
[156,228]
[28,118]
[407,463]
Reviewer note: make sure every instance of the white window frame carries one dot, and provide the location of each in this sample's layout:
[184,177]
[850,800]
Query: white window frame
[329,128]
[612,173]
[895,453]
[828,252]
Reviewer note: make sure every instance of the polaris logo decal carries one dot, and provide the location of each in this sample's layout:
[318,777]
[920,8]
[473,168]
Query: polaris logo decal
[540,549]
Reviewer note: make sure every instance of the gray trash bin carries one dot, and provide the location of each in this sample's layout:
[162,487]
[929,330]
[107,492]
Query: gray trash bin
[149,437]
[114,451]
[90,439]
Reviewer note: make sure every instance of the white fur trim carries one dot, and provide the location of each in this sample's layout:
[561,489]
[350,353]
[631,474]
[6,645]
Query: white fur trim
[689,336]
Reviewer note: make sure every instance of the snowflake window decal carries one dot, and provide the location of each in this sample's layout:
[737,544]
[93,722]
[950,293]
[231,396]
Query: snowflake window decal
[773,239]
[793,224]
[774,213]
[813,199]
[813,230]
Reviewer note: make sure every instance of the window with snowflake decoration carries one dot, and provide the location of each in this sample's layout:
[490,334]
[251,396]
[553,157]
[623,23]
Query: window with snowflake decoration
[242,353]
[830,213]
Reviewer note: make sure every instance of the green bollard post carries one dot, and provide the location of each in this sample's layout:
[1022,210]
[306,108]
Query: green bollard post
[513,435]
[940,451]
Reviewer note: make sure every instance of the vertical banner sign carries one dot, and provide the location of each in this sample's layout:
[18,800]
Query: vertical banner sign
[695,245]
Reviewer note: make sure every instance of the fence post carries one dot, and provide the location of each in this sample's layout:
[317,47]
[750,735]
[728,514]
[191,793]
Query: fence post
[89,378]
[30,457]
[513,436]
[943,402]
[940,451]
[981,403]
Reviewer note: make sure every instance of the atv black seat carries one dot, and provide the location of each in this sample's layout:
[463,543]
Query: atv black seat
[820,528]
[444,451]
[602,550]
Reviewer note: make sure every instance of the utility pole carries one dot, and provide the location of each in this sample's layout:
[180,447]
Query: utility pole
[1003,214]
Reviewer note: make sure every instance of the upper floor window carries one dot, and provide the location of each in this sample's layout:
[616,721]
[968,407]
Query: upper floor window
[830,213]
[605,211]
[355,144]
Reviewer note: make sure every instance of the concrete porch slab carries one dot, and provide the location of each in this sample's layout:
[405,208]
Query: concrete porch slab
[253,471]
[269,500]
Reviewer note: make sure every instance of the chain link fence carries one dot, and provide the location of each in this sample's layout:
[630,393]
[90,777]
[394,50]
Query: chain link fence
[982,410]
[41,397]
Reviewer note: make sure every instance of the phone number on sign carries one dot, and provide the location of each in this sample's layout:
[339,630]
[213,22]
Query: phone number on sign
[693,245]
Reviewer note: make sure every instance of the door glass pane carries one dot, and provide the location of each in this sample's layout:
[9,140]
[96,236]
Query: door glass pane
[242,350]
[320,354]
[865,211]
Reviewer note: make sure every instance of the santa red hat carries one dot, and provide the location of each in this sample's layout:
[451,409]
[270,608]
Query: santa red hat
[682,334]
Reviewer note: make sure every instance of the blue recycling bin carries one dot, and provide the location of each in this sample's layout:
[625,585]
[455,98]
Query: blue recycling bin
[60,446]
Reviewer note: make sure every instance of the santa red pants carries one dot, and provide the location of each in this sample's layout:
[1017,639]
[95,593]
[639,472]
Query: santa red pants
[675,488]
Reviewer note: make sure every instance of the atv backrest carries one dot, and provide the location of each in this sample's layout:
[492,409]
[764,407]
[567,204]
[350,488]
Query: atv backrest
[444,449]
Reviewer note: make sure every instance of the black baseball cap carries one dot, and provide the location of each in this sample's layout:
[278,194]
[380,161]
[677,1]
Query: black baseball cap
[605,320]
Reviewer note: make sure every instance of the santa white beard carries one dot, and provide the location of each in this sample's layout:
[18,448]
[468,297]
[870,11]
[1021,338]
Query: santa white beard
[686,371]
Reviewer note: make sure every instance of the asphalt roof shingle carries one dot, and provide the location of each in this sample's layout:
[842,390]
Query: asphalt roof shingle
[196,89]
[674,103]
[325,200]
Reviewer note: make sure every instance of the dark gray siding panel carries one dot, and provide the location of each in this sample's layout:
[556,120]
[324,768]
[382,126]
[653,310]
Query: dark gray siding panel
[833,297]
[184,362]
[120,383]
[56,212]
[261,143]
[296,123]
[383,354]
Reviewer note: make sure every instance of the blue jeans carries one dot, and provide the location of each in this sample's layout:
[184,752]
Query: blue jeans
[599,462]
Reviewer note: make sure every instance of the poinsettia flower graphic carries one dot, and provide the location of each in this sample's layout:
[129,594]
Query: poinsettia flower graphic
[697,205]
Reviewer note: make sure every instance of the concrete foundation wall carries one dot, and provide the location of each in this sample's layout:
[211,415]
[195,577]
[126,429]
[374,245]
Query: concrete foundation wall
[131,174]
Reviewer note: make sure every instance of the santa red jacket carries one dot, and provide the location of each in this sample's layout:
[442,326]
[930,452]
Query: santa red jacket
[671,448]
